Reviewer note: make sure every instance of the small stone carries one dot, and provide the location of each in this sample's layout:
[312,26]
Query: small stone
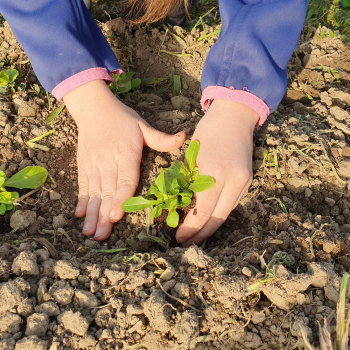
[75,322]
[37,324]
[58,221]
[50,308]
[31,343]
[344,168]
[25,263]
[246,271]
[194,256]
[21,219]
[54,196]
[181,103]
[296,184]
[169,284]
[346,152]
[42,255]
[65,270]
[61,292]
[330,201]
[10,323]
[182,289]
[308,193]
[258,317]
[134,309]
[279,222]
[85,299]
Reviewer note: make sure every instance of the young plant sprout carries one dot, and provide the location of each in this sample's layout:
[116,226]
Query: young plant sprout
[174,187]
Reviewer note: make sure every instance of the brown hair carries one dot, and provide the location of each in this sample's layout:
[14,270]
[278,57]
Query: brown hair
[142,11]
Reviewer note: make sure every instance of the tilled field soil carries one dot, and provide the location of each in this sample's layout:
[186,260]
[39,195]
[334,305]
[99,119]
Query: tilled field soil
[60,292]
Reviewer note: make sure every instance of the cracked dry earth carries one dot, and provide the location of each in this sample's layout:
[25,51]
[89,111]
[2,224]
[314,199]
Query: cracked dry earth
[56,294]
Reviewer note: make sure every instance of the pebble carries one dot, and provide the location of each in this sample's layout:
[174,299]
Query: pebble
[247,272]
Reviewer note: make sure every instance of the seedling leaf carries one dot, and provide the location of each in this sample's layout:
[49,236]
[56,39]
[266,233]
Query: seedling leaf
[30,177]
[177,85]
[156,211]
[172,219]
[185,201]
[2,178]
[160,183]
[202,183]
[12,74]
[54,114]
[192,154]
[2,209]
[135,83]
[137,203]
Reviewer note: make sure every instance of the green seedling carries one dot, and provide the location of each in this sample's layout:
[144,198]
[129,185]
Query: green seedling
[31,143]
[173,188]
[177,85]
[283,207]
[316,233]
[339,340]
[272,160]
[55,113]
[31,177]
[124,84]
[7,80]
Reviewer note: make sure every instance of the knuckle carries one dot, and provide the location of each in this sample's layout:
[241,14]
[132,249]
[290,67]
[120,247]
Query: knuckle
[95,193]
[218,221]
[107,195]
[202,215]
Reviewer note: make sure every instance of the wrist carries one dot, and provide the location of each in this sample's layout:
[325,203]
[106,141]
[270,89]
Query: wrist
[88,101]
[234,113]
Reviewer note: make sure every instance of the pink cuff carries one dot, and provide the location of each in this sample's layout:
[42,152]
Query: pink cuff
[241,96]
[82,78]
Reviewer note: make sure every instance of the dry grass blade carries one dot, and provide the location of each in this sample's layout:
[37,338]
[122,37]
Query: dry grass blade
[342,325]
[64,233]
[325,335]
[305,338]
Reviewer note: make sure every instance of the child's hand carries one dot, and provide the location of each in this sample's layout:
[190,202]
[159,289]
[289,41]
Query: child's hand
[225,134]
[110,143]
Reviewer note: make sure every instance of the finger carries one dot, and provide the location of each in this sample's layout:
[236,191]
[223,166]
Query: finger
[83,196]
[128,179]
[109,187]
[93,207]
[222,210]
[161,141]
[197,217]
[226,203]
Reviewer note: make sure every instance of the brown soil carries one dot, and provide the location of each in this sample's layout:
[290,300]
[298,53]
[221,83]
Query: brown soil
[58,295]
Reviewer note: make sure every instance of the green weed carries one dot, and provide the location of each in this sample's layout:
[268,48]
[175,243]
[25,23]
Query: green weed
[124,84]
[339,340]
[7,80]
[173,188]
[31,177]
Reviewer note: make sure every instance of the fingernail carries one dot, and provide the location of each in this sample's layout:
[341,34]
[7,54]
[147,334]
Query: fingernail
[112,215]
[181,239]
[78,209]
[99,232]
[87,226]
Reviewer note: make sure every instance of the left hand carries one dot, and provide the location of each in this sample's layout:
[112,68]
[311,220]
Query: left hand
[225,134]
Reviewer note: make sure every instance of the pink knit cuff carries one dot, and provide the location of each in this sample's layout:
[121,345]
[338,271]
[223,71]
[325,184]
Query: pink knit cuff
[241,96]
[82,78]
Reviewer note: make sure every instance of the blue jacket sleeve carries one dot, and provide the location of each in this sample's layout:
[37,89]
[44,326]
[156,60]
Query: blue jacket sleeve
[60,38]
[256,42]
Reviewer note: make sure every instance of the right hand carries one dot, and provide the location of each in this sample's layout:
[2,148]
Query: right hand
[110,142]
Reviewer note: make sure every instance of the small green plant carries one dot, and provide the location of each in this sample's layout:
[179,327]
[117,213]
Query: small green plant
[123,84]
[339,340]
[174,187]
[7,80]
[31,177]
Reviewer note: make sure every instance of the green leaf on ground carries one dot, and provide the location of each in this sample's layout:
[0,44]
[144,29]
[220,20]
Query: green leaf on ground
[30,177]
[55,113]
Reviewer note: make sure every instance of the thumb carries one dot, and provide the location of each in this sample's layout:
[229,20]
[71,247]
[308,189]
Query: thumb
[161,141]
